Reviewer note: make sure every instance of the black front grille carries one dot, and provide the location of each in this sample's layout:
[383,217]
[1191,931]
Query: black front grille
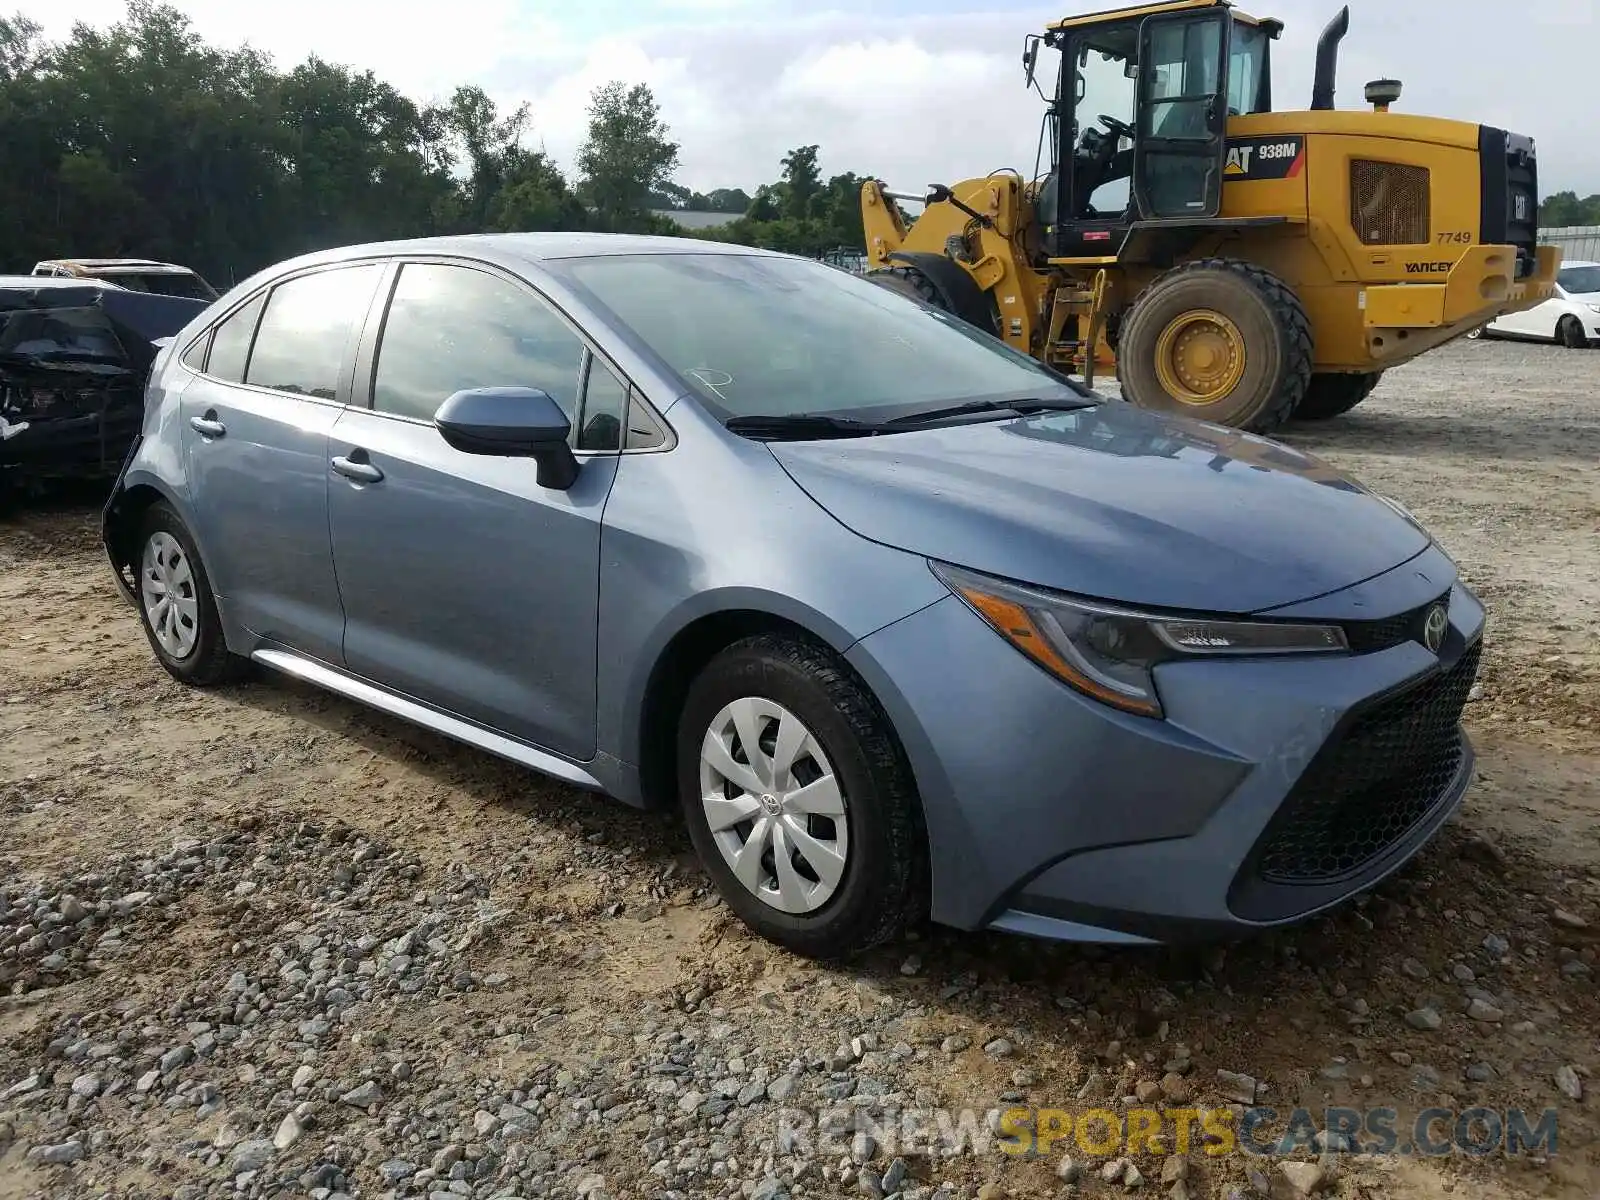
[1368,637]
[1372,784]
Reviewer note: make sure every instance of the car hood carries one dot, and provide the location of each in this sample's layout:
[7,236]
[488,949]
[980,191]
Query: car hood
[1115,503]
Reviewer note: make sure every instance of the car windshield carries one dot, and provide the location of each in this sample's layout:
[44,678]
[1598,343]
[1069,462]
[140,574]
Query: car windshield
[755,336]
[1580,281]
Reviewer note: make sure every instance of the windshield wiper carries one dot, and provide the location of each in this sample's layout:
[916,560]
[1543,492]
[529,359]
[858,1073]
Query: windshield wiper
[988,406]
[800,426]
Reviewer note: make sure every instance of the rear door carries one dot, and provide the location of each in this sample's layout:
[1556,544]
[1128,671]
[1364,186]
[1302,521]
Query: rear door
[464,583]
[1183,114]
[273,379]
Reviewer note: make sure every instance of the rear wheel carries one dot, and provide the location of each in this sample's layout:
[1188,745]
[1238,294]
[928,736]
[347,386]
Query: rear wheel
[799,800]
[1571,335]
[1332,395]
[1218,339]
[176,605]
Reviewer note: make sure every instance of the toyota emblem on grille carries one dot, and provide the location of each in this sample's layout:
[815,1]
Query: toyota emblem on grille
[1433,628]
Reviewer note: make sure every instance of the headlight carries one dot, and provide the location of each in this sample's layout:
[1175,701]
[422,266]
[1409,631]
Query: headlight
[1594,308]
[1109,653]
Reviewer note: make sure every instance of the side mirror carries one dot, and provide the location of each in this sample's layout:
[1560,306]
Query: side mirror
[511,422]
[1030,57]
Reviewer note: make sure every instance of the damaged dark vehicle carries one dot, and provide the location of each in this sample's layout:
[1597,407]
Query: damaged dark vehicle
[74,358]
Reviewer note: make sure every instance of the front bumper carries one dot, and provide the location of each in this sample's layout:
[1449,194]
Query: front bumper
[1274,789]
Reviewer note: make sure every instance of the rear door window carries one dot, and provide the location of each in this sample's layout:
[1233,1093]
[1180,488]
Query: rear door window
[230,343]
[304,333]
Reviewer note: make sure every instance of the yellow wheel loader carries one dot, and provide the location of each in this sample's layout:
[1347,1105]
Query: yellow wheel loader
[1242,265]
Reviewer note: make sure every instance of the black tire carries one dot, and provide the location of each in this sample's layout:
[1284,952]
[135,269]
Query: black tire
[909,282]
[1333,395]
[1571,335]
[209,662]
[1271,322]
[912,283]
[884,885]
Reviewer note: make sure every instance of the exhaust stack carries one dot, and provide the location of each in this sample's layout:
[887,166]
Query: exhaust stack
[1328,60]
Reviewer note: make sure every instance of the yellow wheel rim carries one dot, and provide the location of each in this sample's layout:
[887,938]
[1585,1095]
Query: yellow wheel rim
[1200,357]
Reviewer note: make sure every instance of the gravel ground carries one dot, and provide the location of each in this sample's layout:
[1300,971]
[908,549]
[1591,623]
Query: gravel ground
[263,942]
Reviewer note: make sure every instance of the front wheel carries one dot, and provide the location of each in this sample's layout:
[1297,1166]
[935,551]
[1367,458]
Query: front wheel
[1571,335]
[1221,340]
[799,800]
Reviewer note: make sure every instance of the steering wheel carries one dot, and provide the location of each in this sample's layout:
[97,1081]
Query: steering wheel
[1121,128]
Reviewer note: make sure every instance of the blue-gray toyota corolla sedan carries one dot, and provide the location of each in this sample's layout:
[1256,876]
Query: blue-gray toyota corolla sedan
[904,621]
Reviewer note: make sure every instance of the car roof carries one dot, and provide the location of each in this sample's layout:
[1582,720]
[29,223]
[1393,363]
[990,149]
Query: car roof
[531,247]
[142,265]
[1578,262]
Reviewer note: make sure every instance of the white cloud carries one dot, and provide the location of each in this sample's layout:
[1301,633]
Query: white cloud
[912,98]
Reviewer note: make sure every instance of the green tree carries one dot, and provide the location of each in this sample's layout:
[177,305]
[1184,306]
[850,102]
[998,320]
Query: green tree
[801,181]
[728,200]
[535,197]
[626,157]
[1565,209]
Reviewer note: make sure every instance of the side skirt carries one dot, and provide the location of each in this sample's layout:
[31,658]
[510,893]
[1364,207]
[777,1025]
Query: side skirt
[406,709]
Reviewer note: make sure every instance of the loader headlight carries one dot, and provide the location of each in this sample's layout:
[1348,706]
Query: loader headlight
[1109,652]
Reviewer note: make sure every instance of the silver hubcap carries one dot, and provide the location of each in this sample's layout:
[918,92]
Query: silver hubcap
[166,586]
[773,805]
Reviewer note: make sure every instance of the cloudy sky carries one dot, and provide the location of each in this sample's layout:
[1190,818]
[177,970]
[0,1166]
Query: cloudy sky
[913,91]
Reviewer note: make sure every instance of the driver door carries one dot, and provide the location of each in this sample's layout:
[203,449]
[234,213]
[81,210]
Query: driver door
[1097,148]
[1182,145]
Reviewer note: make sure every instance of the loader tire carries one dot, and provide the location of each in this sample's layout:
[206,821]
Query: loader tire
[1220,340]
[910,282]
[1333,395]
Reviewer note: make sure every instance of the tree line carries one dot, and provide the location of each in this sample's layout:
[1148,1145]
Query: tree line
[141,139]
[1564,209]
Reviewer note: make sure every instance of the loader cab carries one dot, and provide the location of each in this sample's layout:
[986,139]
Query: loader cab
[1138,125]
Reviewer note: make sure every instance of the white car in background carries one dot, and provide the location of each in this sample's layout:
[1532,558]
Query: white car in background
[1571,317]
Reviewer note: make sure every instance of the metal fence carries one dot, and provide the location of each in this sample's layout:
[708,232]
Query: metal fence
[1575,241]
